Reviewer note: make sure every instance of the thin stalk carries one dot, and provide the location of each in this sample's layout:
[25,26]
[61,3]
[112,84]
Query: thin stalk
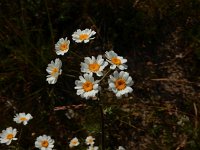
[102,126]
[50,23]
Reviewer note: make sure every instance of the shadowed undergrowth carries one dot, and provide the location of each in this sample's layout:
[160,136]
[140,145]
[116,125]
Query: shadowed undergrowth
[160,40]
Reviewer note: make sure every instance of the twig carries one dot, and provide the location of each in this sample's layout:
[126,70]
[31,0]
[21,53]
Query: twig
[171,80]
[196,117]
[69,106]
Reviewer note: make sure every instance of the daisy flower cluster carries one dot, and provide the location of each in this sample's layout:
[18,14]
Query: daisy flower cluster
[119,82]
[61,47]
[9,134]
[89,141]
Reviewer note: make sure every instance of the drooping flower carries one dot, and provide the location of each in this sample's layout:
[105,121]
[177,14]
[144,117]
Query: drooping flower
[86,86]
[74,142]
[54,70]
[89,140]
[62,46]
[120,83]
[22,118]
[8,135]
[44,142]
[93,148]
[93,65]
[115,60]
[83,36]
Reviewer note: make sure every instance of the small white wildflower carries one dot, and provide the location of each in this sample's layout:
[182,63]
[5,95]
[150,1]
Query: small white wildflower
[86,86]
[182,120]
[120,83]
[54,70]
[62,46]
[70,114]
[121,148]
[93,148]
[8,135]
[89,140]
[22,118]
[115,60]
[74,142]
[93,65]
[44,142]
[83,36]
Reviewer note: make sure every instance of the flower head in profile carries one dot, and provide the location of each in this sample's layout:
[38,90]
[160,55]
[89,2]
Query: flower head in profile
[22,118]
[54,70]
[121,148]
[8,135]
[93,148]
[83,36]
[62,46]
[89,140]
[44,142]
[74,142]
[94,65]
[115,60]
[86,86]
[120,83]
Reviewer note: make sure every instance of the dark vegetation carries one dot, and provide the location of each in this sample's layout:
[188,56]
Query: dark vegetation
[160,39]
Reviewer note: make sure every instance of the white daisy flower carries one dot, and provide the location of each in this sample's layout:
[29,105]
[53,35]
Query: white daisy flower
[8,135]
[89,140]
[93,65]
[74,142]
[22,118]
[93,148]
[121,148]
[44,142]
[54,70]
[83,36]
[62,46]
[115,60]
[120,83]
[86,86]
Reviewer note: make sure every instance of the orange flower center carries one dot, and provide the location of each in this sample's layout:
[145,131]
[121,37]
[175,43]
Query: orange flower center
[23,119]
[9,136]
[94,67]
[54,71]
[63,46]
[120,84]
[87,86]
[45,144]
[116,61]
[83,37]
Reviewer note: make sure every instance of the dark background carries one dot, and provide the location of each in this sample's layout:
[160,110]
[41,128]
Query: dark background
[160,39]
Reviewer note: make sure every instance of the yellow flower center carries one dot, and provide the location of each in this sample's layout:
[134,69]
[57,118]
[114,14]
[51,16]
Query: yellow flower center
[116,61]
[54,71]
[23,119]
[63,46]
[83,37]
[120,84]
[94,67]
[90,141]
[45,143]
[9,136]
[74,142]
[87,86]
